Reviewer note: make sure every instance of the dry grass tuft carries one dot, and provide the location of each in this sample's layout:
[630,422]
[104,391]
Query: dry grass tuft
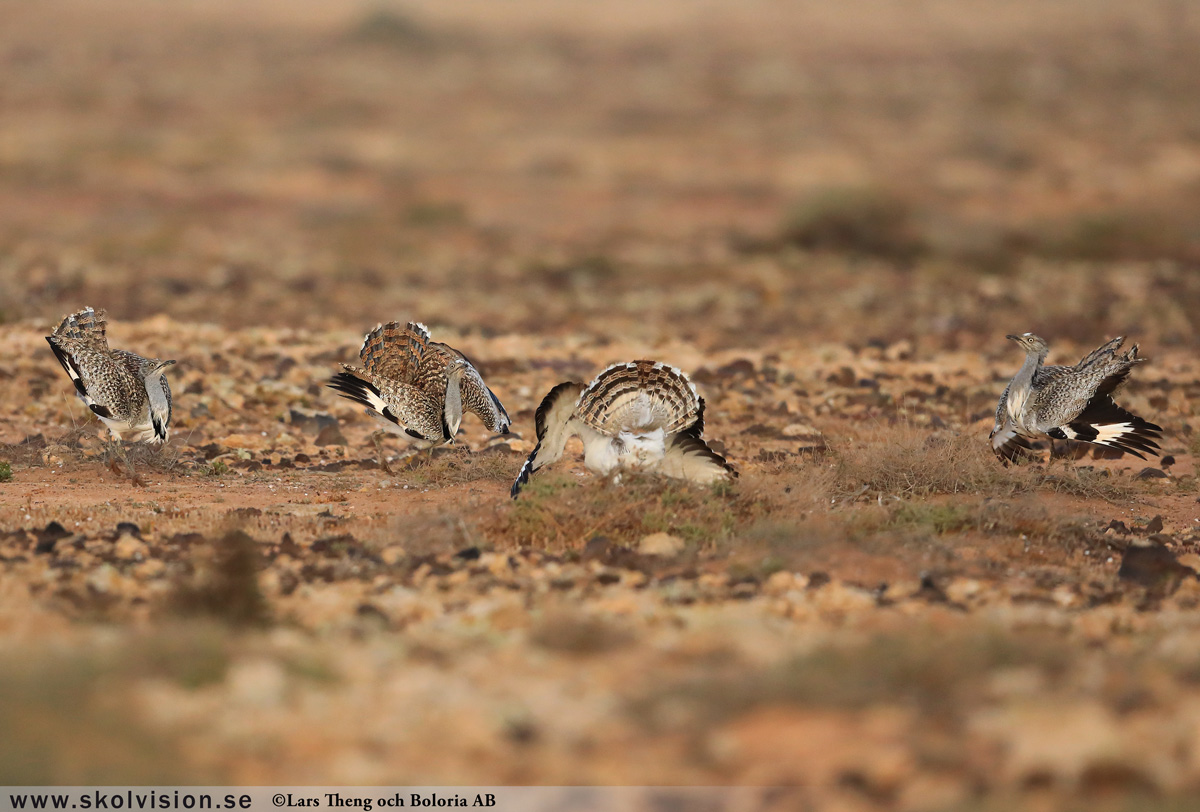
[906,462]
[457,466]
[557,510]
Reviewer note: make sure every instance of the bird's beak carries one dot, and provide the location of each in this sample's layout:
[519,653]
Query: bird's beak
[1013,338]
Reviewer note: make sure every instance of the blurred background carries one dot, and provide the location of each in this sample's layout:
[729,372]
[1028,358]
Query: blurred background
[728,172]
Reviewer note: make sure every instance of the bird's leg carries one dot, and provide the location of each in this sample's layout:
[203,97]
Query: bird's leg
[377,439]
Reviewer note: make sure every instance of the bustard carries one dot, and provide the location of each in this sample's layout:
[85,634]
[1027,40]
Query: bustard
[641,415]
[1070,403]
[127,392]
[418,387]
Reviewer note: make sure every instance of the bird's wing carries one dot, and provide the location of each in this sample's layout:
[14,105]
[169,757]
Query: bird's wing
[479,400]
[1103,422]
[393,401]
[689,457]
[83,362]
[555,422]
[1105,351]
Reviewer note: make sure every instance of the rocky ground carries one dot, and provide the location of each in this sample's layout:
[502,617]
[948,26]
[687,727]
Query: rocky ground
[829,219]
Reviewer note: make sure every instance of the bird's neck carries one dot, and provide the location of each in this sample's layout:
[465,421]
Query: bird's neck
[1022,382]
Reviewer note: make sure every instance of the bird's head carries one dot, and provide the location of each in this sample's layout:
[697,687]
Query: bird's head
[155,366]
[1031,343]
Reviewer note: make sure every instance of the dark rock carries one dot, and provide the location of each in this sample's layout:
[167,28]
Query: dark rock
[303,458]
[287,546]
[212,450]
[330,435]
[311,423]
[53,530]
[1153,566]
[1150,472]
[930,590]
[762,430]
[330,467]
[469,554]
[1118,527]
[129,529]
[1155,525]
[597,547]
[369,611]
[818,579]
[1167,461]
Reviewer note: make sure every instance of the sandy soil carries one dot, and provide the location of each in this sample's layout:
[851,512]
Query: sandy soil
[830,218]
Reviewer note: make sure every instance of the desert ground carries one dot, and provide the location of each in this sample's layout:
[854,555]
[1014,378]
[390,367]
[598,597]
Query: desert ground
[830,215]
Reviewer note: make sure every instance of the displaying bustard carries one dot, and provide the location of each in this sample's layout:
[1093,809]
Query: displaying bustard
[1070,403]
[417,387]
[127,392]
[642,415]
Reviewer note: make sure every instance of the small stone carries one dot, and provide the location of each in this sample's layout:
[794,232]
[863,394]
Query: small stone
[1150,472]
[103,579]
[661,544]
[801,430]
[1153,566]
[1155,525]
[244,441]
[130,548]
[597,547]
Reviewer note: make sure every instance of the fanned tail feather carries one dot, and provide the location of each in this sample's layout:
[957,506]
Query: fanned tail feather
[86,325]
[392,351]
